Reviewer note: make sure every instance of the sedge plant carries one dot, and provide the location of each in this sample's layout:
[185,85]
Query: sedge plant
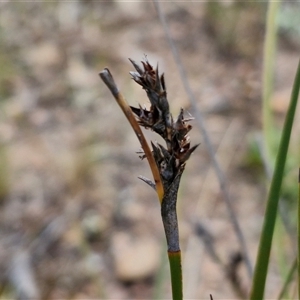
[166,162]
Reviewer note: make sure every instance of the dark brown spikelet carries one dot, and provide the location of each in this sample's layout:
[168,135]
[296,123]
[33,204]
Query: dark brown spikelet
[170,160]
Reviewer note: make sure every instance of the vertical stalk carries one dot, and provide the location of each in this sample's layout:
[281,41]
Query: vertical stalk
[288,278]
[268,71]
[176,274]
[262,260]
[170,222]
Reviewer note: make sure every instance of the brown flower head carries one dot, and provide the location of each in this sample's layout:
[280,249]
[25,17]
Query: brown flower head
[170,160]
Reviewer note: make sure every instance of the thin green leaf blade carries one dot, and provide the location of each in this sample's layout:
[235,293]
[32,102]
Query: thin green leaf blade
[262,261]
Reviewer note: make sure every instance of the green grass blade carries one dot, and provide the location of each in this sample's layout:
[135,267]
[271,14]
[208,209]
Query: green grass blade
[288,280]
[262,261]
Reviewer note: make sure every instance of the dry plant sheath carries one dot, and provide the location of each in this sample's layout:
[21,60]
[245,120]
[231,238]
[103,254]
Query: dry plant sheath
[169,160]
[110,83]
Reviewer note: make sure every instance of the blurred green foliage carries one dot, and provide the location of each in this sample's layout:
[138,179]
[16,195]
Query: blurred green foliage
[236,26]
[288,19]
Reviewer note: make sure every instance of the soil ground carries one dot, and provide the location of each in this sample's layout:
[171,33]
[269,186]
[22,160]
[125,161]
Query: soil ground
[74,215]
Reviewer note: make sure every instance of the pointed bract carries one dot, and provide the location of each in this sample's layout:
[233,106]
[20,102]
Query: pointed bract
[170,160]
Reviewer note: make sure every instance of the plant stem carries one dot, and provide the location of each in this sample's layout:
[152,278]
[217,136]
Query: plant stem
[262,260]
[167,164]
[170,222]
[268,71]
[288,279]
[176,274]
[169,215]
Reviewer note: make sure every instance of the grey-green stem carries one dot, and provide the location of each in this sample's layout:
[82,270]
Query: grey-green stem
[169,214]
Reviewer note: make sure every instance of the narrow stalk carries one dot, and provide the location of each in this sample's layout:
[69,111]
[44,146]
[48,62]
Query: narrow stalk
[110,83]
[176,274]
[170,222]
[288,279]
[268,71]
[262,260]
[169,215]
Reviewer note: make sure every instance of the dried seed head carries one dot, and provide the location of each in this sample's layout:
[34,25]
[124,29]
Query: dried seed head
[170,160]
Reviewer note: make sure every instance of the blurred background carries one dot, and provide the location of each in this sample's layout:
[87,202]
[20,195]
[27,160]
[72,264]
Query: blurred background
[75,221]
